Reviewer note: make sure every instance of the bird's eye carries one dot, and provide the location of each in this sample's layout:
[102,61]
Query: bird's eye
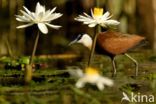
[79,36]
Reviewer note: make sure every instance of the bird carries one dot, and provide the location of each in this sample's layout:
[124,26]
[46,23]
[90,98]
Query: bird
[112,43]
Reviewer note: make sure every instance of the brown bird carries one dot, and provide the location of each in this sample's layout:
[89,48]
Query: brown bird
[113,43]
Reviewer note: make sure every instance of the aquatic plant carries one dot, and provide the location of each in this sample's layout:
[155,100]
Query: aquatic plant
[92,76]
[42,18]
[97,18]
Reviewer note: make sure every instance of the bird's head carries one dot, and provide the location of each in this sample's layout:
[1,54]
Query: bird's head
[84,39]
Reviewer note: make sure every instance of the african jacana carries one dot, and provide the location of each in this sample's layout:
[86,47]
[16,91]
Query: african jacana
[112,43]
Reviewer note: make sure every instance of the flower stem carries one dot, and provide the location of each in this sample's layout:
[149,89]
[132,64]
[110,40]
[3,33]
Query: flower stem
[29,69]
[34,49]
[9,48]
[97,30]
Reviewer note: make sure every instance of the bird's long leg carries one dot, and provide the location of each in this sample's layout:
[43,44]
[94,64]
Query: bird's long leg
[136,63]
[114,66]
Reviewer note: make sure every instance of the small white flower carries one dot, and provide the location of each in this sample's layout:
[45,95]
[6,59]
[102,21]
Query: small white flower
[97,18]
[41,17]
[92,76]
[76,72]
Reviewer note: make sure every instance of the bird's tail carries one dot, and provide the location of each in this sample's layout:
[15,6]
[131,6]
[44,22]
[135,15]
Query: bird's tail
[142,43]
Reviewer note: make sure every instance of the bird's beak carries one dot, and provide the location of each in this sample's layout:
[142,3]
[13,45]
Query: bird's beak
[72,42]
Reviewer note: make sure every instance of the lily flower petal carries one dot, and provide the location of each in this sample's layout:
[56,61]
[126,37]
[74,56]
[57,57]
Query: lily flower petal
[111,22]
[92,25]
[47,14]
[80,83]
[100,86]
[53,26]
[43,28]
[53,16]
[39,9]
[26,10]
[26,15]
[24,26]
[106,15]
[87,15]
[92,14]
[53,10]
[22,18]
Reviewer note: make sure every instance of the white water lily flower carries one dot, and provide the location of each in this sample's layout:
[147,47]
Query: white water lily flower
[92,76]
[41,17]
[97,18]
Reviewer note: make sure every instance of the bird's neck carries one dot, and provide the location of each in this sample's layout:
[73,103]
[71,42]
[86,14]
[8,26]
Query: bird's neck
[88,44]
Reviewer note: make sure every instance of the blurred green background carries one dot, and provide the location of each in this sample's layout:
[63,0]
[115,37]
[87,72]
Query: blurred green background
[136,16]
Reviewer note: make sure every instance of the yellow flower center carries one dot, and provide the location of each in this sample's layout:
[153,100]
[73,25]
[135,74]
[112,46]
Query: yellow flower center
[91,71]
[98,12]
